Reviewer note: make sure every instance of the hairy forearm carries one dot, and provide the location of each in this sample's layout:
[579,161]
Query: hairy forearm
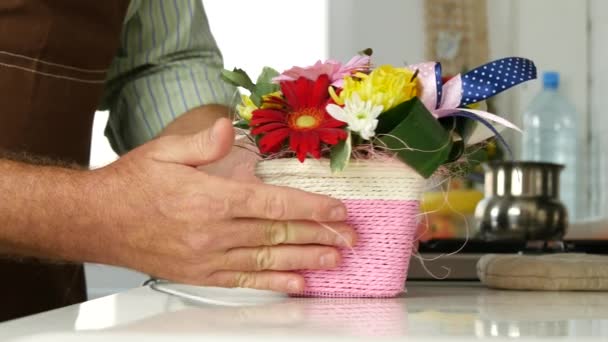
[44,211]
[196,119]
[60,212]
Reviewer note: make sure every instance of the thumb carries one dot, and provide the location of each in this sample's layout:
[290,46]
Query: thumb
[197,149]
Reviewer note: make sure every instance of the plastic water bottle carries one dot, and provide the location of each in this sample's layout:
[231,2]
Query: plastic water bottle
[550,126]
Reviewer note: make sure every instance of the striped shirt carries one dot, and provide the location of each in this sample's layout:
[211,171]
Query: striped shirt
[168,62]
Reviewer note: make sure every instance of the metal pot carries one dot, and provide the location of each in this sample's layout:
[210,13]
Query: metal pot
[522,202]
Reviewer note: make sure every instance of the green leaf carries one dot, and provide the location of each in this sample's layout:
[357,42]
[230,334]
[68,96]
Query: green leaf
[264,85]
[262,89]
[242,124]
[476,155]
[340,155]
[257,139]
[256,99]
[418,138]
[267,75]
[239,78]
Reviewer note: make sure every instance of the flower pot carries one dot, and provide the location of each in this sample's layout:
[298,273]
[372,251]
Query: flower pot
[367,317]
[382,198]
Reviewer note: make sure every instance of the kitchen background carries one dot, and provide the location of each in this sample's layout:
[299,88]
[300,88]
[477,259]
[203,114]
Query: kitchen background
[561,35]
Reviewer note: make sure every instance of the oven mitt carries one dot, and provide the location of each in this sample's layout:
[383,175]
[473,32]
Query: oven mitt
[551,272]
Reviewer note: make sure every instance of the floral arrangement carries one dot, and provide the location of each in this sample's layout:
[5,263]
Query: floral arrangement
[342,111]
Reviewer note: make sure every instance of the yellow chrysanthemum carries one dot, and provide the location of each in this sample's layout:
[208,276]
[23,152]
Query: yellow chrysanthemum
[386,86]
[247,107]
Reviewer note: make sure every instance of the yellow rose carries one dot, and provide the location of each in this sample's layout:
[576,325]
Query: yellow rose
[385,86]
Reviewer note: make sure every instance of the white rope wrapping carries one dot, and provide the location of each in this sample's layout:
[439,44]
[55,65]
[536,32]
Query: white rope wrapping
[362,179]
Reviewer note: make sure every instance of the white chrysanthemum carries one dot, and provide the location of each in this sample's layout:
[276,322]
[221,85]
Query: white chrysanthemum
[361,116]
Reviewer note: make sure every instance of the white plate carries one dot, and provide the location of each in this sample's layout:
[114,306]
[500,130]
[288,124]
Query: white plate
[220,296]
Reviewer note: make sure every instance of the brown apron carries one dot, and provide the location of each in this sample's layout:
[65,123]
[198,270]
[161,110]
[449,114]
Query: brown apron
[53,59]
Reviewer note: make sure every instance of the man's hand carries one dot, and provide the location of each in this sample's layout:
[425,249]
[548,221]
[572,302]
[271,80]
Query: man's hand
[166,218]
[239,164]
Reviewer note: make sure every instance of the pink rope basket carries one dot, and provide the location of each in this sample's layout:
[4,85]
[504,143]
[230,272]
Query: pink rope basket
[356,316]
[382,198]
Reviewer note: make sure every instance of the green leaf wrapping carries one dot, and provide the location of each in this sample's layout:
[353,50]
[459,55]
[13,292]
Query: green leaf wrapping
[340,154]
[419,140]
[392,117]
[457,128]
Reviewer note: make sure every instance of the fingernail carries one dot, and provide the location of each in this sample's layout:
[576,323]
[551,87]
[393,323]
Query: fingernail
[338,213]
[328,260]
[293,286]
[344,240]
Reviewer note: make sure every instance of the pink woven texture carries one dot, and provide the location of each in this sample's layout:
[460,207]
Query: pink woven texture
[377,266]
[356,316]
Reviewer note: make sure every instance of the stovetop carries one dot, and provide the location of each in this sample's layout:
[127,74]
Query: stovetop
[474,246]
[437,261]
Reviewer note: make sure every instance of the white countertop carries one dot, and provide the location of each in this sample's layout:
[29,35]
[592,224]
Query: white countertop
[429,312]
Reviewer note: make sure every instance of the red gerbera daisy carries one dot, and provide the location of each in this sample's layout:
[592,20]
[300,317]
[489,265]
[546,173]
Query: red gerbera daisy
[301,118]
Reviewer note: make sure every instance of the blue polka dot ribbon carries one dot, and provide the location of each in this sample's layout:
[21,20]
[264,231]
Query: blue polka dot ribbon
[438,81]
[450,99]
[495,77]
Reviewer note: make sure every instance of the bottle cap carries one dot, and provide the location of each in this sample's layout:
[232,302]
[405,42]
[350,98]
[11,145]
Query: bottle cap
[550,80]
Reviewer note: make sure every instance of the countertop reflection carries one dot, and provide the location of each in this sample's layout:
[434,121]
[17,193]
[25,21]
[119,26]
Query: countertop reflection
[429,311]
